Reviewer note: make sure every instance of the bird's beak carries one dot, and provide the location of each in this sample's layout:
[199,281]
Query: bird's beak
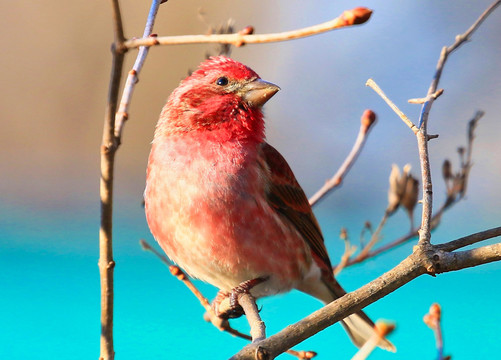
[257,92]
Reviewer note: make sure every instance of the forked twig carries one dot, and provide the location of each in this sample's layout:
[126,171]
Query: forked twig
[210,315]
[455,193]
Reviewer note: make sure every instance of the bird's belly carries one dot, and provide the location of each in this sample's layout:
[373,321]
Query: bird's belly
[223,231]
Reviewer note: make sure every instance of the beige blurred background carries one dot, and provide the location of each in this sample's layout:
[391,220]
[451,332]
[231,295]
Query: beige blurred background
[56,62]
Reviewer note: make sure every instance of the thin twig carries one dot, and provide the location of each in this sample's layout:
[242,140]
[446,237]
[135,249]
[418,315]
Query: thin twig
[367,120]
[132,79]
[364,253]
[108,148]
[181,276]
[460,40]
[433,320]
[349,250]
[470,239]
[435,221]
[435,95]
[348,18]
[372,84]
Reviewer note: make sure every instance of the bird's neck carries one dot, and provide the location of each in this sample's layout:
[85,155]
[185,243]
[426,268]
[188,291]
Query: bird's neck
[229,124]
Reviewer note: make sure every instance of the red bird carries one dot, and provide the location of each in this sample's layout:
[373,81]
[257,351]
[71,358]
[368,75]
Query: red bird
[224,205]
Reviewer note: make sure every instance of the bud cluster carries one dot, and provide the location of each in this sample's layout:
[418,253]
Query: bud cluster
[404,191]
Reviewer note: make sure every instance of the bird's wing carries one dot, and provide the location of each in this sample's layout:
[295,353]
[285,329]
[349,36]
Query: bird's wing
[286,196]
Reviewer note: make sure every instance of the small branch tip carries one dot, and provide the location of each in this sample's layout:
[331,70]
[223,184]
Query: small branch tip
[368,119]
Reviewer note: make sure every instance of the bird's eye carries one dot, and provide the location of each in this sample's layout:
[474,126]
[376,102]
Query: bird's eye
[222,81]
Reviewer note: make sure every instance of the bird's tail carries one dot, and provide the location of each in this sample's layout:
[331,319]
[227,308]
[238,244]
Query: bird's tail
[359,326]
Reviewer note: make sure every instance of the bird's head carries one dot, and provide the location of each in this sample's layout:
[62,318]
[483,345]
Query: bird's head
[222,95]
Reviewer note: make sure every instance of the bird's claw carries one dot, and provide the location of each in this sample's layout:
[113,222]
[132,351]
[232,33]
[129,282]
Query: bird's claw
[234,310]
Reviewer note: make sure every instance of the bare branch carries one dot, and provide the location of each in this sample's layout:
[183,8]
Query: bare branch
[433,96]
[348,18]
[367,120]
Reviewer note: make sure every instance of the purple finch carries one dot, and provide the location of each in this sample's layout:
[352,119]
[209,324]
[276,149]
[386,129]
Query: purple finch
[224,205]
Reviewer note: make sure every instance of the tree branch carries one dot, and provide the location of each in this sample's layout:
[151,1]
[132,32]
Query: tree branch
[352,17]
[337,310]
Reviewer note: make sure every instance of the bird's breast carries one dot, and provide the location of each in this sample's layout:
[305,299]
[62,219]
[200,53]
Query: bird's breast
[206,206]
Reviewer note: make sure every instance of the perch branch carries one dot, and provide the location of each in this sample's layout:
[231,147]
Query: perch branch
[425,259]
[352,17]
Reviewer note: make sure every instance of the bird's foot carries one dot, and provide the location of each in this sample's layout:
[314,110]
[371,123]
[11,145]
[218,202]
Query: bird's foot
[233,309]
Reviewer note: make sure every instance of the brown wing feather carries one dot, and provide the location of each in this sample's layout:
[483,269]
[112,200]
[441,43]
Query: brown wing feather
[287,197]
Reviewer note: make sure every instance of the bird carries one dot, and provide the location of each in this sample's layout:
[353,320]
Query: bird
[225,205]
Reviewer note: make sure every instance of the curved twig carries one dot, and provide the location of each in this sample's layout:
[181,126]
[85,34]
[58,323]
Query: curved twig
[367,120]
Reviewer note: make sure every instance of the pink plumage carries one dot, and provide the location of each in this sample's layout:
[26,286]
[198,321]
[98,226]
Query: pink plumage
[223,204]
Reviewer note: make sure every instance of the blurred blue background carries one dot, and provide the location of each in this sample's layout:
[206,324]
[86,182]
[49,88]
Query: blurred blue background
[56,66]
